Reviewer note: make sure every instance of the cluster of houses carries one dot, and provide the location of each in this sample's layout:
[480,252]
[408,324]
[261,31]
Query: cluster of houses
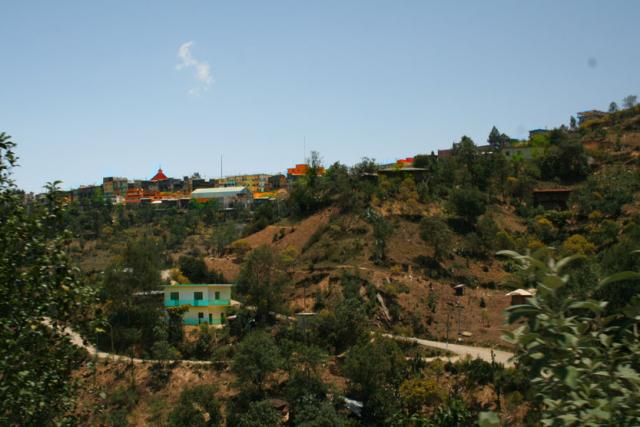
[245,190]
[230,191]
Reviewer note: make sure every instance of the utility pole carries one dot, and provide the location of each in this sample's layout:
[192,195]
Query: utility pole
[459,315]
[449,305]
[220,165]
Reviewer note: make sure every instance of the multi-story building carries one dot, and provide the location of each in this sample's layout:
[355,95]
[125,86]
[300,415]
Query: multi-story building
[276,182]
[256,183]
[299,171]
[114,189]
[205,303]
[86,193]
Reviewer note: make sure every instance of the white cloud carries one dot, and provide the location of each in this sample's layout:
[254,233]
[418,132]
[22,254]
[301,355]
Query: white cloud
[202,69]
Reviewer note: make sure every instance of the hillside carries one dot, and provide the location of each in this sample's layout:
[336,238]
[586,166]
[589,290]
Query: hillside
[371,255]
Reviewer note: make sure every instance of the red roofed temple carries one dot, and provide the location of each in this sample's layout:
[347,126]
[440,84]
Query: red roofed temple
[160,176]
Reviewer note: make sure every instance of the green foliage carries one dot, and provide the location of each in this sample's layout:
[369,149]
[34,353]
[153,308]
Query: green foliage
[621,256]
[197,407]
[382,230]
[417,393]
[318,415]
[344,326]
[564,159]
[607,191]
[374,368]
[256,357]
[37,281]
[454,414]
[630,101]
[497,140]
[582,366]
[467,203]
[261,281]
[435,231]
[221,236]
[258,414]
[578,244]
[131,321]
[197,272]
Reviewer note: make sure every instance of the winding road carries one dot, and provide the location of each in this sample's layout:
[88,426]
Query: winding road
[460,350]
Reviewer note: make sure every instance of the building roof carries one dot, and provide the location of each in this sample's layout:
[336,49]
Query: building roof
[175,285]
[552,190]
[522,292]
[159,176]
[404,169]
[218,192]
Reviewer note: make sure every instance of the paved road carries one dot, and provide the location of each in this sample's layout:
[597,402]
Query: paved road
[460,350]
[77,340]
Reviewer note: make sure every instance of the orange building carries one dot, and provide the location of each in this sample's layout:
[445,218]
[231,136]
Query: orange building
[133,195]
[302,169]
[405,162]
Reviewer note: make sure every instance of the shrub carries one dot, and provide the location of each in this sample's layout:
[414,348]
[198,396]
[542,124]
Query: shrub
[197,407]
[578,244]
[468,204]
[583,365]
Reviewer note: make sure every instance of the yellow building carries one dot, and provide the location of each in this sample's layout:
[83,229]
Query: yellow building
[257,183]
[206,303]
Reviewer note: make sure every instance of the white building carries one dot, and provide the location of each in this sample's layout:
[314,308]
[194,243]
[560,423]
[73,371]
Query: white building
[228,197]
[206,303]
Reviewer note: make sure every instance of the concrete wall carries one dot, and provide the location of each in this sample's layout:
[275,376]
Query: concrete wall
[208,292]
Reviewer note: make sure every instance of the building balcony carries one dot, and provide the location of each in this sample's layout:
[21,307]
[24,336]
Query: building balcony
[196,322]
[196,302]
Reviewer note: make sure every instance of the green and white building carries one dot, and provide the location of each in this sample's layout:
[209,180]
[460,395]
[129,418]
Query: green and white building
[206,303]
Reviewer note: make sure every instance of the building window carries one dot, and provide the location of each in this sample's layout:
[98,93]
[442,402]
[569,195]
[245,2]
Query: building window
[217,295]
[200,317]
[210,318]
[197,296]
[175,296]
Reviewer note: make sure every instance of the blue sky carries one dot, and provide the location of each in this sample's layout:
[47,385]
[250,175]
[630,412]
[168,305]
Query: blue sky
[91,89]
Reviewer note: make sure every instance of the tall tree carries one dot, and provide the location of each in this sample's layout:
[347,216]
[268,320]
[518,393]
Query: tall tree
[37,282]
[497,140]
[256,357]
[613,107]
[630,101]
[436,232]
[261,280]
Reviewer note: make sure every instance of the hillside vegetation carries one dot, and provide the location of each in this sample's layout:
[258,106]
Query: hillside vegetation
[370,252]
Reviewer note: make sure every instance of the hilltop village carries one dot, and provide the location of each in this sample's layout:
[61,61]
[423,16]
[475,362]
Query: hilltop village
[249,189]
[484,284]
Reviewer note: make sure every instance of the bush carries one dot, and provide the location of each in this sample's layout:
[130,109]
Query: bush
[197,407]
[256,357]
[607,191]
[258,414]
[468,204]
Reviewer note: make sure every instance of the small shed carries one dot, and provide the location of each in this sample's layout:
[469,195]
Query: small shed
[551,198]
[520,296]
[459,290]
